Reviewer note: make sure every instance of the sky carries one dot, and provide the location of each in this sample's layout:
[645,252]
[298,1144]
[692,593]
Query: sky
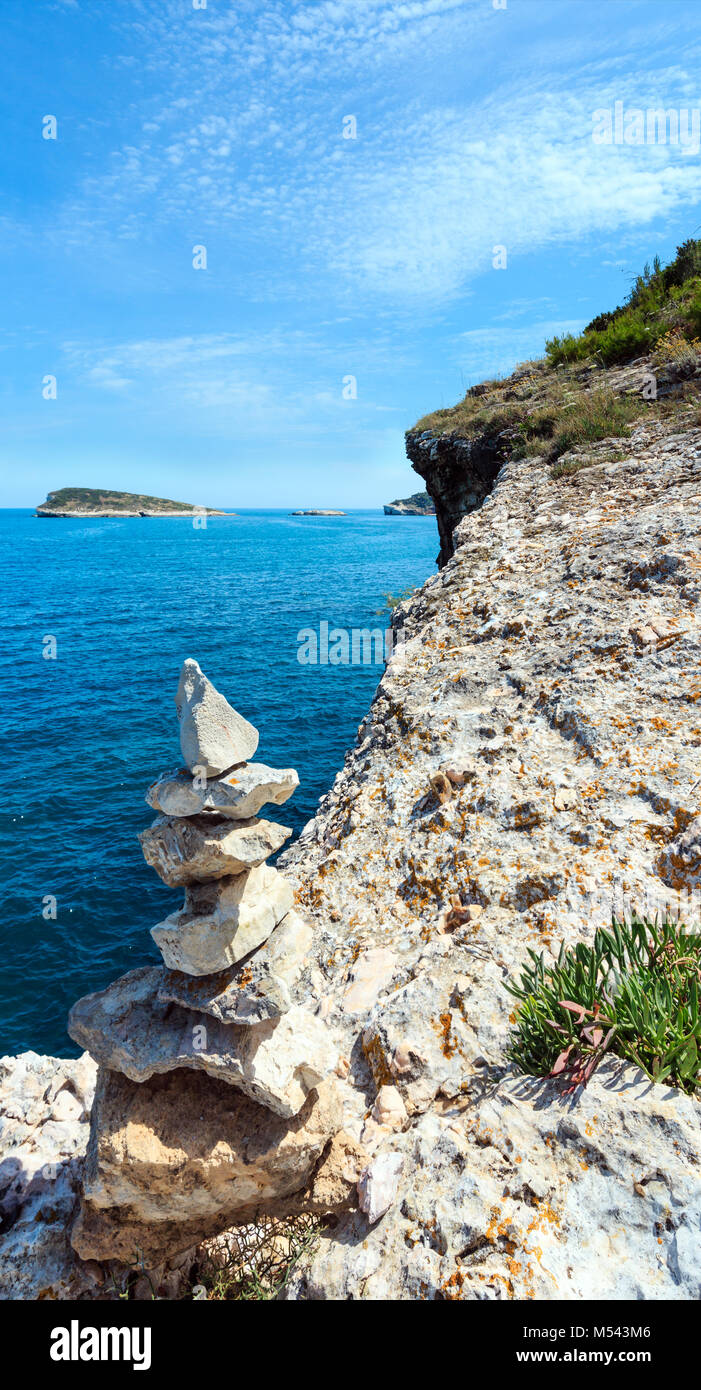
[262,243]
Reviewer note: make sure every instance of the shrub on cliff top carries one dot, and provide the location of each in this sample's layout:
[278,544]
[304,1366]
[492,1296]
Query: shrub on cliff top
[660,294]
[663,306]
[634,993]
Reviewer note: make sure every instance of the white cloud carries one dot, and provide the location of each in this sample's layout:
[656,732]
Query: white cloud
[427,218]
[235,386]
[243,131]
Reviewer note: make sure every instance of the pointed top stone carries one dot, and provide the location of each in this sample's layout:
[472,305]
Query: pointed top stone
[212,735]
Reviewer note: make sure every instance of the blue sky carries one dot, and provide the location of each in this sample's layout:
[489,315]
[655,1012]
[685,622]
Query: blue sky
[327,257]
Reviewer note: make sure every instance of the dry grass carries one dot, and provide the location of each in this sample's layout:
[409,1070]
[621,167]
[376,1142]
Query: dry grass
[253,1263]
[542,414]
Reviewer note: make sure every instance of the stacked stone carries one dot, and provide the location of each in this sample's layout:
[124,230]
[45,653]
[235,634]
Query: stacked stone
[221,1002]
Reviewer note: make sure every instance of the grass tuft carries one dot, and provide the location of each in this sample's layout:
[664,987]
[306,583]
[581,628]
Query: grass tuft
[595,415]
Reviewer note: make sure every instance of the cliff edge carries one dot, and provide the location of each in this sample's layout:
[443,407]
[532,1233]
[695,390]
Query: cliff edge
[551,671]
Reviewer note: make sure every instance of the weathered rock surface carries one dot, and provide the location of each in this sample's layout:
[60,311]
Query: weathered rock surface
[239,794]
[680,861]
[223,921]
[200,848]
[257,988]
[213,736]
[550,674]
[378,1185]
[233,1160]
[45,1107]
[461,474]
[127,1028]
[44,1125]
[371,974]
[530,1194]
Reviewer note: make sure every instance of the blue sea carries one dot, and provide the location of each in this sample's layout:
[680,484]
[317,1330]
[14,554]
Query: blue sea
[125,602]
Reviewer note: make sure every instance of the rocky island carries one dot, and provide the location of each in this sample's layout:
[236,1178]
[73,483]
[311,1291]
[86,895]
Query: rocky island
[419,504]
[527,773]
[100,502]
[316,511]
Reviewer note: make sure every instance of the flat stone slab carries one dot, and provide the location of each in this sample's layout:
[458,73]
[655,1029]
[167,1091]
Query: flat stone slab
[372,973]
[256,989]
[223,921]
[199,848]
[213,736]
[238,794]
[127,1028]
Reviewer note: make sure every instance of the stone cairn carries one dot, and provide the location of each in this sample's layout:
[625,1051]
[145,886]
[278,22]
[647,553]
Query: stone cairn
[222,1001]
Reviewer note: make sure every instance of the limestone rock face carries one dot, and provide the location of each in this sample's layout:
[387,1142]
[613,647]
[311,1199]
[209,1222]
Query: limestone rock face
[378,1185]
[419,1039]
[127,1028]
[680,862]
[212,735]
[232,1159]
[239,794]
[459,474]
[206,847]
[223,921]
[252,991]
[44,1126]
[550,671]
[372,973]
[485,1211]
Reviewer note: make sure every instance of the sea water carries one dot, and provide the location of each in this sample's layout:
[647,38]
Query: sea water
[97,617]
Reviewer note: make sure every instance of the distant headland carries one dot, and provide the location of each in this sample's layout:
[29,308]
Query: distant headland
[91,501]
[419,504]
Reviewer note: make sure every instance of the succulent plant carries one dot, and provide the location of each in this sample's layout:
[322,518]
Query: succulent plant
[634,992]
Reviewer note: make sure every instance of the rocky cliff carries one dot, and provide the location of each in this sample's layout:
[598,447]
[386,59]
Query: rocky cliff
[459,473]
[529,765]
[572,417]
[551,670]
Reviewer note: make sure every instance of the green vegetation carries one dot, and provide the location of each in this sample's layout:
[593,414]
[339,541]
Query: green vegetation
[88,499]
[663,300]
[560,425]
[564,401]
[487,410]
[392,601]
[566,467]
[558,418]
[634,993]
[418,502]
